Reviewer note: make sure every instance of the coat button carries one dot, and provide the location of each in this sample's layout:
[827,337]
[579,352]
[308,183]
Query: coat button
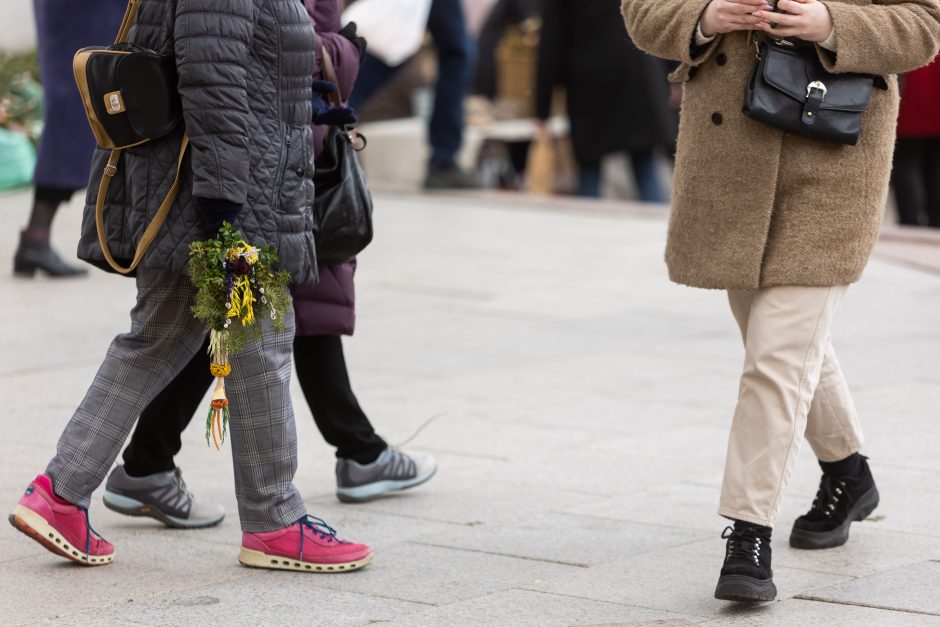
[721,59]
[299,171]
[717,119]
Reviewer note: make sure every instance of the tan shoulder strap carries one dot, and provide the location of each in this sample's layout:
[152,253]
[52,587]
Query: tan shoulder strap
[329,74]
[129,13]
[153,228]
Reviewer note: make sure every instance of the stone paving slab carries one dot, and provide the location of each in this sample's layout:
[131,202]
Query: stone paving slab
[911,588]
[680,579]
[524,608]
[580,407]
[562,538]
[251,600]
[439,575]
[801,612]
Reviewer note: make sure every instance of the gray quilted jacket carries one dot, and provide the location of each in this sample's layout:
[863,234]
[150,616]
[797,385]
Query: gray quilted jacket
[244,77]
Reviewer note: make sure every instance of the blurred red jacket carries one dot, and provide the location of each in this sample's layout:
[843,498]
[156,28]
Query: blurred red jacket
[920,103]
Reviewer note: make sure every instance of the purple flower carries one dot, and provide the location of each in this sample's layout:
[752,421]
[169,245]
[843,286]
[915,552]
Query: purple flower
[240,266]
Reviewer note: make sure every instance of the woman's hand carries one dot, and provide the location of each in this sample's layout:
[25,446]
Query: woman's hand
[808,20]
[724,16]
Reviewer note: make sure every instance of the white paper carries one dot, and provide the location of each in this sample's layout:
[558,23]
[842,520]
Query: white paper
[393,28]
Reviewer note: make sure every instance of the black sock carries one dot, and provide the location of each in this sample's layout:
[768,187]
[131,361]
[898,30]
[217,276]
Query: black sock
[46,202]
[850,467]
[743,524]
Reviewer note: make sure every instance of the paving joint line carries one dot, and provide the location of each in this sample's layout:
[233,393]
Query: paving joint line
[499,554]
[641,607]
[887,608]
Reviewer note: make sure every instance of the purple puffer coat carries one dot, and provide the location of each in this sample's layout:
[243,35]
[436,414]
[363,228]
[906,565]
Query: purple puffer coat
[329,308]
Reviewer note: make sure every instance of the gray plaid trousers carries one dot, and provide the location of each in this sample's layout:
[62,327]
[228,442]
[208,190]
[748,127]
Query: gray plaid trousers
[163,338]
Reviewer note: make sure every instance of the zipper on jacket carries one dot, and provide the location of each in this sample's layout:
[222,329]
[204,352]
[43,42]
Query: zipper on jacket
[281,166]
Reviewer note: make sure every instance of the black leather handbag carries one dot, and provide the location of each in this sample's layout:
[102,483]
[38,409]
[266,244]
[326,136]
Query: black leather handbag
[342,204]
[791,90]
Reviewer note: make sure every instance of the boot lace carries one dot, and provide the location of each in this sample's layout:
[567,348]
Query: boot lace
[831,490]
[744,543]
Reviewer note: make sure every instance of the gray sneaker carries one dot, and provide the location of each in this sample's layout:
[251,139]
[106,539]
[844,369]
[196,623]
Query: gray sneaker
[162,496]
[451,178]
[391,472]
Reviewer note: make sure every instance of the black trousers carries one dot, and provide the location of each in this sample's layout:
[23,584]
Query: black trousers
[916,180]
[321,371]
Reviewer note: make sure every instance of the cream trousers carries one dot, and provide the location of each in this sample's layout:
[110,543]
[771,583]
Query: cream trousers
[792,385]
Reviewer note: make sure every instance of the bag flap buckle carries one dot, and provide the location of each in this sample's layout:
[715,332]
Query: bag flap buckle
[817,85]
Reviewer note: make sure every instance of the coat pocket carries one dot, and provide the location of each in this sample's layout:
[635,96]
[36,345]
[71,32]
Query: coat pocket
[296,173]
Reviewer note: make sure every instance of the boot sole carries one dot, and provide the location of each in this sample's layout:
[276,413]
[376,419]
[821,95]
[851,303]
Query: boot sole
[37,528]
[132,507]
[372,491]
[257,559]
[745,589]
[815,540]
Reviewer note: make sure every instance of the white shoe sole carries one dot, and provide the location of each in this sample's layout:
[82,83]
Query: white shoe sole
[257,559]
[370,491]
[36,527]
[133,507]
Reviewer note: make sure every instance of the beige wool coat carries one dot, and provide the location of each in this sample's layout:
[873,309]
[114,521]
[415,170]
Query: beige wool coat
[753,206]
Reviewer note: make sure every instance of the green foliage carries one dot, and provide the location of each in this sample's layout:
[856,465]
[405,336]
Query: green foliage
[21,101]
[14,65]
[207,271]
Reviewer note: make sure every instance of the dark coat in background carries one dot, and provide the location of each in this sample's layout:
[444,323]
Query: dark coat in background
[617,96]
[244,71]
[62,27]
[329,308]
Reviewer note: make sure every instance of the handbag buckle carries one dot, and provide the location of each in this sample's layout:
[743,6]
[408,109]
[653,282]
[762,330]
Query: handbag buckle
[817,85]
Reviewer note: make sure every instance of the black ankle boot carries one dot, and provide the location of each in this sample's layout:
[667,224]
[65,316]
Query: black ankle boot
[746,574]
[841,500]
[34,253]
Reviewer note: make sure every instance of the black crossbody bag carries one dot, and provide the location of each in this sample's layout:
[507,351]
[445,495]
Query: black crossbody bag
[791,90]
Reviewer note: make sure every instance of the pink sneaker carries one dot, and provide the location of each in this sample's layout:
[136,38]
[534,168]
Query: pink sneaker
[59,526]
[308,545]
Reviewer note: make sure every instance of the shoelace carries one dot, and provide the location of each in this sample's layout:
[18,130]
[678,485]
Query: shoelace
[88,531]
[401,465]
[319,527]
[181,484]
[827,498]
[743,543]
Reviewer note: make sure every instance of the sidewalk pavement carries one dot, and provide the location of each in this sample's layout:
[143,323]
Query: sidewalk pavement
[580,407]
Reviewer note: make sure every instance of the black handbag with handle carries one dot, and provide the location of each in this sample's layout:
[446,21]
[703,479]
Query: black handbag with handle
[791,90]
[342,204]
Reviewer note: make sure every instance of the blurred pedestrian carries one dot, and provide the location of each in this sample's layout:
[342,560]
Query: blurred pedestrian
[150,484]
[505,13]
[916,176]
[455,61]
[220,48]
[618,97]
[784,223]
[66,144]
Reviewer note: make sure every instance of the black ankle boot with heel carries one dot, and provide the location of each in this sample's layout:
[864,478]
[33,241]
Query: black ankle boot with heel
[847,494]
[746,575]
[35,254]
